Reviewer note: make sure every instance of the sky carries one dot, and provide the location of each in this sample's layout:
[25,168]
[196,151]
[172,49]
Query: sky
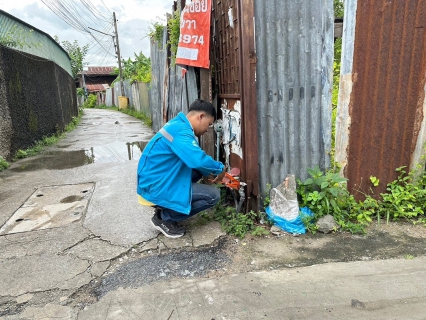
[135,17]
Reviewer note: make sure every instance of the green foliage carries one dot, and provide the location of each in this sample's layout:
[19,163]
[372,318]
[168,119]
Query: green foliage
[238,224]
[3,164]
[39,145]
[335,93]
[338,8]
[327,193]
[338,13]
[90,101]
[375,182]
[73,124]
[173,26]
[80,92]
[405,197]
[155,31]
[76,53]
[266,196]
[18,38]
[141,116]
[137,70]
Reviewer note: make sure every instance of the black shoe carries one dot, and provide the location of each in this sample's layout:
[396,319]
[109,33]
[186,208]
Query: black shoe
[169,228]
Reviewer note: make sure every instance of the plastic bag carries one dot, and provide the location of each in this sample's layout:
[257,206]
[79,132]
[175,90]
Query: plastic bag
[291,226]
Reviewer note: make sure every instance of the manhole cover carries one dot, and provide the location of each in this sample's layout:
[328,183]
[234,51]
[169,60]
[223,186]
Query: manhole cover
[50,207]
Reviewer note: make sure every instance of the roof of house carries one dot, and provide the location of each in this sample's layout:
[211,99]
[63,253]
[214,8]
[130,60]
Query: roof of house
[99,71]
[97,87]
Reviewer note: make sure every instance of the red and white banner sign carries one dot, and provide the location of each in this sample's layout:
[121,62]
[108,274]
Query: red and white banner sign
[194,40]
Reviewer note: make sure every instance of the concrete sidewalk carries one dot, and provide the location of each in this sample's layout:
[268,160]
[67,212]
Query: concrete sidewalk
[75,244]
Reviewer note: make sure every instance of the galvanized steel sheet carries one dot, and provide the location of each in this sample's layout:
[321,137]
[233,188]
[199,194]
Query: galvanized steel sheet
[294,43]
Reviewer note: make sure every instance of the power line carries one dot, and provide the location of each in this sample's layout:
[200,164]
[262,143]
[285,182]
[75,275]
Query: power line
[80,17]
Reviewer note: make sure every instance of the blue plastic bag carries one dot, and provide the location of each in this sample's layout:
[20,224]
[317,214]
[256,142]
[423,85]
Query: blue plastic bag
[291,226]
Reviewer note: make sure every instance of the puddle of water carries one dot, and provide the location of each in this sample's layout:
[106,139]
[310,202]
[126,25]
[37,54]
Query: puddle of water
[59,160]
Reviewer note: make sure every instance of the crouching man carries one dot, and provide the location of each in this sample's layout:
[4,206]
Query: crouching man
[170,166]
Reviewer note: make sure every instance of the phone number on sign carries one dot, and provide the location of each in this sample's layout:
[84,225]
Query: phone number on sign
[186,38]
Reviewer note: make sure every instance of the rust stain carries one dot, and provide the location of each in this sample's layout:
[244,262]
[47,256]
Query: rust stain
[386,107]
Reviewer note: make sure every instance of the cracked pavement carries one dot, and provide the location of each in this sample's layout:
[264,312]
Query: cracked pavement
[111,264]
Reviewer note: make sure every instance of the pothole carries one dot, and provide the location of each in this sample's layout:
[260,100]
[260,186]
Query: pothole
[71,199]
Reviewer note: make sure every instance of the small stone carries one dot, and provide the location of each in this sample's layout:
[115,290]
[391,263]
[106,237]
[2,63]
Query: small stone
[326,224]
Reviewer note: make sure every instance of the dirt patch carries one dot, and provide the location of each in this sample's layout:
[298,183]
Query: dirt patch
[384,241]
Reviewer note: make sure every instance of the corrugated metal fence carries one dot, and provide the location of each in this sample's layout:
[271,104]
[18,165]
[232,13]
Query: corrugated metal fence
[170,91]
[381,124]
[294,42]
[137,92]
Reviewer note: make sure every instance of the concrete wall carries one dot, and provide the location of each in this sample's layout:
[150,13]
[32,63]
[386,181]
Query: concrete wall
[37,98]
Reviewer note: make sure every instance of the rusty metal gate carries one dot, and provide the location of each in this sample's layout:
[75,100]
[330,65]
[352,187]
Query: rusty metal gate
[234,68]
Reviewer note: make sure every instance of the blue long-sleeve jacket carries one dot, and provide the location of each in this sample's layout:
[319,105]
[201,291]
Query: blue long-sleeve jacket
[165,167]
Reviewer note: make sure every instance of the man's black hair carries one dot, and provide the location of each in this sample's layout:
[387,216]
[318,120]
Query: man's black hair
[202,105]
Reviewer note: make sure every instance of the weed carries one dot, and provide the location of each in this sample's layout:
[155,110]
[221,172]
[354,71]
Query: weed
[173,26]
[39,145]
[405,197]
[155,31]
[90,101]
[409,257]
[3,164]
[327,193]
[141,116]
[238,224]
[266,196]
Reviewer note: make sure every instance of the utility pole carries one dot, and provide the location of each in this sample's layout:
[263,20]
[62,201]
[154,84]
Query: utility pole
[119,56]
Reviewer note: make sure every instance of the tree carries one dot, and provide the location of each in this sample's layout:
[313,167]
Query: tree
[137,70]
[77,55]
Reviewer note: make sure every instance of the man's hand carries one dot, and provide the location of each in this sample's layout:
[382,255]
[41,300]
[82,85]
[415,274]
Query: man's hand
[220,176]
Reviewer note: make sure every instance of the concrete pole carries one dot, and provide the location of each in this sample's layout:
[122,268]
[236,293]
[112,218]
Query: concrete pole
[119,56]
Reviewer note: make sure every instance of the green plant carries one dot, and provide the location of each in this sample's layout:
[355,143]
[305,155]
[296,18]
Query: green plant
[138,69]
[3,164]
[18,37]
[80,92]
[173,26]
[155,31]
[139,115]
[323,193]
[405,197]
[39,145]
[267,196]
[374,181]
[338,8]
[90,101]
[327,193]
[238,224]
[76,53]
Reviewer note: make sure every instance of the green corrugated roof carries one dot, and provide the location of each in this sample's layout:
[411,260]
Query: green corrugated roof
[39,43]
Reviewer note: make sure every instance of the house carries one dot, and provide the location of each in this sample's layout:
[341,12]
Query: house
[96,80]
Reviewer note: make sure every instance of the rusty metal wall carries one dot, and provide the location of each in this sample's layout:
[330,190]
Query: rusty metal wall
[382,90]
[234,61]
[226,42]
[294,48]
